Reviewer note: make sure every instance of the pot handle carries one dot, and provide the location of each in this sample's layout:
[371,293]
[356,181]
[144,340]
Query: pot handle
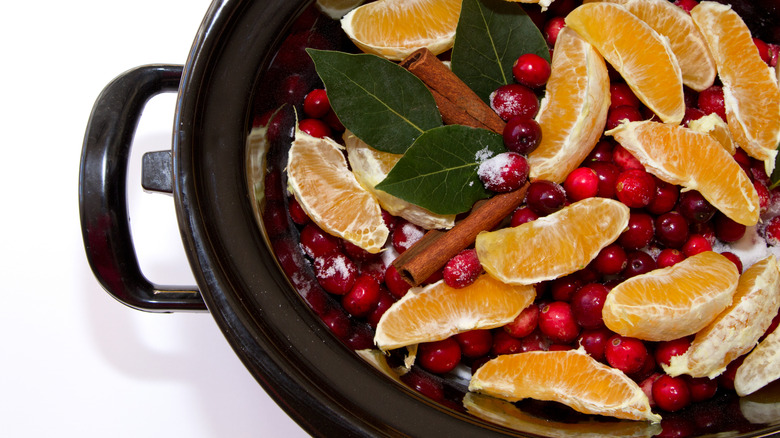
[105,223]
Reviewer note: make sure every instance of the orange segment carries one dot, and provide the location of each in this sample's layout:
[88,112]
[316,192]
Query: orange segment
[570,377]
[761,367]
[695,161]
[750,87]
[573,112]
[713,125]
[672,302]
[522,255]
[737,329]
[437,311]
[322,183]
[396,28]
[643,58]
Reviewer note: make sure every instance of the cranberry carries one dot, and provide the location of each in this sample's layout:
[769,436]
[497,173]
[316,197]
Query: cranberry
[536,341]
[764,196]
[316,103]
[531,70]
[552,28]
[726,379]
[335,272]
[389,220]
[337,322]
[695,245]
[523,215]
[395,283]
[734,259]
[317,243]
[665,197]
[525,323]
[647,387]
[711,101]
[315,127]
[594,341]
[545,197]
[587,303]
[463,269]
[626,354]
[635,188]
[624,159]
[563,288]
[385,301]
[671,393]
[439,356]
[608,174]
[425,384]
[743,159]
[601,152]
[333,121]
[727,230]
[275,218]
[504,343]
[505,172]
[474,343]
[363,297]
[582,183]
[701,388]
[611,260]
[291,90]
[665,350]
[694,207]
[639,233]
[763,50]
[620,94]
[671,229]
[686,5]
[772,231]
[297,213]
[522,135]
[620,114]
[556,321]
[691,114]
[405,235]
[514,100]
[639,262]
[758,172]
[669,257]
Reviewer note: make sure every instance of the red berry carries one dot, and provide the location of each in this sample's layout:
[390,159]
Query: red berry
[671,229]
[764,196]
[363,297]
[639,233]
[626,354]
[525,323]
[513,100]
[563,288]
[692,114]
[474,343]
[734,259]
[544,197]
[556,321]
[620,114]
[424,383]
[726,379]
[665,350]
[620,94]
[669,257]
[385,301]
[594,341]
[297,214]
[504,343]
[686,5]
[601,152]
[587,303]
[711,101]
[701,388]
[522,135]
[763,50]
[635,188]
[611,260]
[405,235]
[536,341]
[696,244]
[671,393]
[338,322]
[727,230]
[531,70]
[608,174]
[694,207]
[461,270]
[439,356]
[291,90]
[523,215]
[624,159]
[275,218]
[317,243]
[315,128]
[639,262]
[316,103]
[552,28]
[665,198]
[335,272]
[397,286]
[505,172]
[582,183]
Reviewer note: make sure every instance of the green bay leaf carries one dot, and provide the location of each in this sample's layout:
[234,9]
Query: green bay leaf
[381,102]
[439,171]
[490,36]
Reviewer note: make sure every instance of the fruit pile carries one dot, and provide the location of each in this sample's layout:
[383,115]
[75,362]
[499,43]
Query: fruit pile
[637,278]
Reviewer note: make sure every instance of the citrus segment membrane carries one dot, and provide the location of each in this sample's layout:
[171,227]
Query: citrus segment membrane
[761,367]
[713,125]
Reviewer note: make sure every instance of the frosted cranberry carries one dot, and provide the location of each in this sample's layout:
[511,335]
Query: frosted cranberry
[439,356]
[763,50]
[594,341]
[513,100]
[335,272]
[545,197]
[587,303]
[389,220]
[297,214]
[625,353]
[666,196]
[536,341]
[665,350]
[405,235]
[701,388]
[337,322]
[624,159]
[556,321]
[639,262]
[727,230]
[505,172]
[582,183]
[692,114]
[611,260]
[620,94]
[734,259]
[504,343]
[671,393]
[758,172]
[764,196]
[552,28]
[316,103]
[525,323]
[363,297]
[601,152]
[607,173]
[523,215]
[315,128]
[694,207]
[425,384]
[639,233]
[397,286]
[563,288]
[474,343]
[522,135]
[711,101]
[669,257]
[461,270]
[317,243]
[671,229]
[620,114]
[635,188]
[686,5]
[385,301]
[531,70]
[696,244]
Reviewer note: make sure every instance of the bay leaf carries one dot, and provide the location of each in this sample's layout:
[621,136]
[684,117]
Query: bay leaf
[379,101]
[490,36]
[439,171]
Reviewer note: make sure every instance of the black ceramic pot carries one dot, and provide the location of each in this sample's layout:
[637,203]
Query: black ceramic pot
[320,382]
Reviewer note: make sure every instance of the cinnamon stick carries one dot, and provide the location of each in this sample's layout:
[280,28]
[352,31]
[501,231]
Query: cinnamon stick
[458,104]
[436,247]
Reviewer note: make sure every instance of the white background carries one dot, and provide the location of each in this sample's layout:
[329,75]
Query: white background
[74,361]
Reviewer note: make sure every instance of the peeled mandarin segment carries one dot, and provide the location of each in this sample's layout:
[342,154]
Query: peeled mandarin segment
[394,29]
[670,303]
[713,125]
[738,328]
[523,255]
[761,367]
[322,183]
[371,166]
[694,160]
[750,88]
[570,377]
[437,311]
[573,113]
[642,57]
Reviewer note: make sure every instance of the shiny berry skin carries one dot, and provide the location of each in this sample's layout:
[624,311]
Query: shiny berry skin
[665,350]
[461,270]
[601,152]
[620,94]
[594,341]
[316,104]
[397,286]
[701,388]
[424,383]
[513,100]
[536,341]
[563,288]
[405,235]
[686,5]
[317,243]
[474,343]
[639,262]
[439,356]
[363,297]
[624,159]
[691,114]
[337,322]
[694,207]
[711,100]
[727,230]
[581,183]
[639,233]
[385,301]
[772,231]
[611,260]
[556,321]
[505,172]
[522,135]
[635,188]
[696,244]
[523,215]
[504,343]
[552,28]
[297,214]
[587,303]
[626,354]
[666,196]
[763,50]
[336,273]
[669,257]
[525,323]
[671,393]
[671,229]
[619,114]
[734,259]
[545,197]
[315,127]
[608,174]
[291,90]
[531,70]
